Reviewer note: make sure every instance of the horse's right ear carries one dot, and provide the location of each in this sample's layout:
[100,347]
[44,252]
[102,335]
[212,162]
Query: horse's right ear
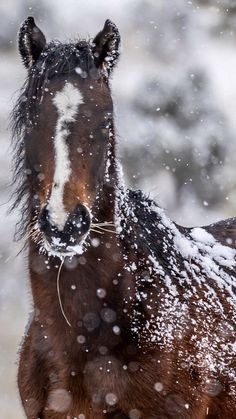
[31,42]
[106,47]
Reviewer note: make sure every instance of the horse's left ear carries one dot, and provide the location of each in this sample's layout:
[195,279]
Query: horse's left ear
[106,47]
[31,42]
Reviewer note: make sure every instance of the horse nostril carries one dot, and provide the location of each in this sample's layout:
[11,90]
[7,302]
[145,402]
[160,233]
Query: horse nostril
[44,219]
[81,219]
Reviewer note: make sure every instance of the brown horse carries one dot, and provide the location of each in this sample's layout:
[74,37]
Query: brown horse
[133,315]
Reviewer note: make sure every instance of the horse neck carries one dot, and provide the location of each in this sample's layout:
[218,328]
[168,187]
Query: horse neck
[87,292]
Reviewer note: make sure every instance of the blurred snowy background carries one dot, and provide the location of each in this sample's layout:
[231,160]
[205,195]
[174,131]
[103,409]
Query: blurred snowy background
[175,95]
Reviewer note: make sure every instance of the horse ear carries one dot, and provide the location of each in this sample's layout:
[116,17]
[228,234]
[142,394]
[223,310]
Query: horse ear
[106,47]
[31,42]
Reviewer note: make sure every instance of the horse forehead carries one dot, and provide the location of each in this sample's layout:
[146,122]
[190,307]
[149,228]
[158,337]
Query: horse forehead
[67,100]
[75,91]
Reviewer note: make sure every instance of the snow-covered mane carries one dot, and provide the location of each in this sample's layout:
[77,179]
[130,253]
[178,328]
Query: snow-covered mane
[191,267]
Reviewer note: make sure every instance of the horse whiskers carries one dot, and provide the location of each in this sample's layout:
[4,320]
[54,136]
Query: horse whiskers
[33,229]
[33,225]
[102,225]
[29,236]
[109,231]
[34,221]
[96,231]
[58,293]
[34,234]
[110,223]
[103,229]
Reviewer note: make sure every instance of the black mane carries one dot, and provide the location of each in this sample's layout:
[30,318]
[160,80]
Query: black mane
[155,235]
[56,60]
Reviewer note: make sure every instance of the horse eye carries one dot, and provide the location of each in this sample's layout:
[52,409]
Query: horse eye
[105,125]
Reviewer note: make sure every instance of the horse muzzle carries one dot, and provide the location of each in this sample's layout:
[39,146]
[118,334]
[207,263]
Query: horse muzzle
[74,231]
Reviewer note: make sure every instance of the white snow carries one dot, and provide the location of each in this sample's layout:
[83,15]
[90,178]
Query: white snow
[185,246]
[201,235]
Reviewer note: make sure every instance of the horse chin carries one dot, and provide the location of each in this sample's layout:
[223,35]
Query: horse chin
[61,250]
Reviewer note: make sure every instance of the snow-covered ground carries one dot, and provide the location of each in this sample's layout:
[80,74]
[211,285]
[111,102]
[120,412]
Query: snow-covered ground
[159,42]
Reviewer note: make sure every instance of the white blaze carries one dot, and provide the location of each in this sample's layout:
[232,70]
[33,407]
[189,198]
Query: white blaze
[67,102]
